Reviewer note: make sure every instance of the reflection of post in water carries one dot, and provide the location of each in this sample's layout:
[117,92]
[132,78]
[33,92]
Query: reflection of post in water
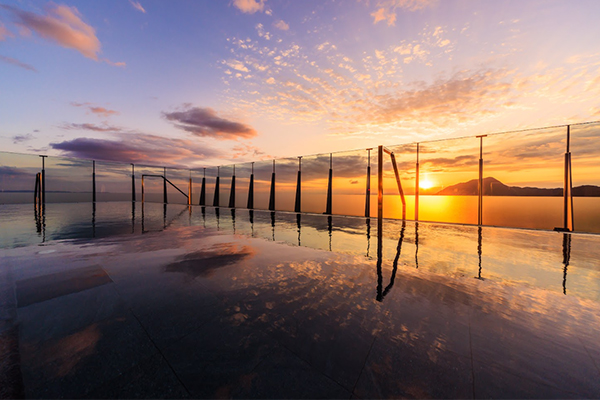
[203,210]
[218,215]
[232,191]
[382,293]
[329,186]
[566,258]
[164,215]
[143,230]
[379,251]
[133,217]
[368,191]
[299,224]
[417,244]
[479,245]
[329,229]
[233,219]
[273,225]
[94,219]
[368,236]
[40,219]
[251,215]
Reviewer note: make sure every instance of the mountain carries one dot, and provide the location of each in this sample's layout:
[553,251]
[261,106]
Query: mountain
[493,187]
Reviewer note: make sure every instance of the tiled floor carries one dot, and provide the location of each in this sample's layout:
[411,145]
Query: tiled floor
[196,312]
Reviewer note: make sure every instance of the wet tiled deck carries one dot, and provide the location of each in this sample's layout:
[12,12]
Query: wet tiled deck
[207,307]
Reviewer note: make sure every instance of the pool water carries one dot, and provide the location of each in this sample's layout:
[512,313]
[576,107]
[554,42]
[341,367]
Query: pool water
[120,300]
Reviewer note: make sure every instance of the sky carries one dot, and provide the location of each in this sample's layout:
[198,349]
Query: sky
[197,83]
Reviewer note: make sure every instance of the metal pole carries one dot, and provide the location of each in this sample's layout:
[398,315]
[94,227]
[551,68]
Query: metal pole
[165,185]
[567,190]
[143,198]
[480,183]
[43,179]
[190,190]
[132,183]
[379,188]
[232,192]
[329,186]
[299,186]
[417,188]
[272,194]
[216,196]
[94,181]
[368,194]
[399,183]
[250,204]
[202,201]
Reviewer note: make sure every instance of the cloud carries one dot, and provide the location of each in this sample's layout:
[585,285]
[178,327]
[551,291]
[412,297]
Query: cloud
[137,6]
[249,6]
[97,110]
[90,127]
[22,138]
[138,148]
[237,65]
[281,25]
[205,122]
[386,9]
[4,33]
[244,150]
[18,63]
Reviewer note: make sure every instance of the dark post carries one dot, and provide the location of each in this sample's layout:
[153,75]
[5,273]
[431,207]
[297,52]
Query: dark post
[417,189]
[190,190]
[568,184]
[216,197]
[250,205]
[94,181]
[379,190]
[132,183]
[37,199]
[143,198]
[202,201]
[480,183]
[43,179]
[399,183]
[232,192]
[165,185]
[299,186]
[368,194]
[272,194]
[329,186]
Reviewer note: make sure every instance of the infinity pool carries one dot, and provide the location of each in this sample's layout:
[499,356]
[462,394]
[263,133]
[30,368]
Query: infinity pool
[120,300]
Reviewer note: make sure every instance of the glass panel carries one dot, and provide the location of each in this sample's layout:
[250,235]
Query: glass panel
[68,180]
[315,175]
[113,181]
[17,177]
[350,183]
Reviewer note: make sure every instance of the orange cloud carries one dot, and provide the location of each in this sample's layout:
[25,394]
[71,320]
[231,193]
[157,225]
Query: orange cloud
[101,111]
[18,63]
[137,6]
[281,25]
[249,6]
[386,9]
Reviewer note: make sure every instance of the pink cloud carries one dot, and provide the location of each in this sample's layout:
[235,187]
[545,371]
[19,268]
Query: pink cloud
[205,122]
[101,111]
[63,25]
[249,6]
[4,33]
[137,6]
[18,63]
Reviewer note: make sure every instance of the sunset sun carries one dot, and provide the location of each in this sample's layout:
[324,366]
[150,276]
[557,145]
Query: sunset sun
[426,184]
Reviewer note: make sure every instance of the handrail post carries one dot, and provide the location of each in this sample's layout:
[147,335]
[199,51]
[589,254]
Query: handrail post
[190,190]
[329,186]
[250,204]
[368,190]
[132,183]
[216,196]
[202,201]
[165,185]
[298,206]
[379,187]
[480,182]
[43,184]
[143,195]
[272,193]
[568,185]
[94,181]
[232,191]
[417,188]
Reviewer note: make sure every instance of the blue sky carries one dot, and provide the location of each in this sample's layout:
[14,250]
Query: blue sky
[211,82]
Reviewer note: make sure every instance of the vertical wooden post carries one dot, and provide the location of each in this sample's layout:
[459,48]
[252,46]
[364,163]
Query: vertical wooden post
[232,191]
[417,188]
[216,196]
[250,204]
[272,193]
[202,201]
[368,192]
[329,186]
[480,183]
[165,185]
[43,186]
[143,198]
[298,207]
[94,181]
[132,183]
[379,189]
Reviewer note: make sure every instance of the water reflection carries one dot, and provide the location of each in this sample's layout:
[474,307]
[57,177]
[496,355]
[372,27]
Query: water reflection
[446,249]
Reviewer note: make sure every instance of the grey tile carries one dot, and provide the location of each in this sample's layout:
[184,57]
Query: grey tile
[150,379]
[283,375]
[74,364]
[397,369]
[64,315]
[211,361]
[492,382]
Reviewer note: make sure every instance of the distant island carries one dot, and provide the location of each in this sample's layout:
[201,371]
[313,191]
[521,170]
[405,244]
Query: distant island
[493,187]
